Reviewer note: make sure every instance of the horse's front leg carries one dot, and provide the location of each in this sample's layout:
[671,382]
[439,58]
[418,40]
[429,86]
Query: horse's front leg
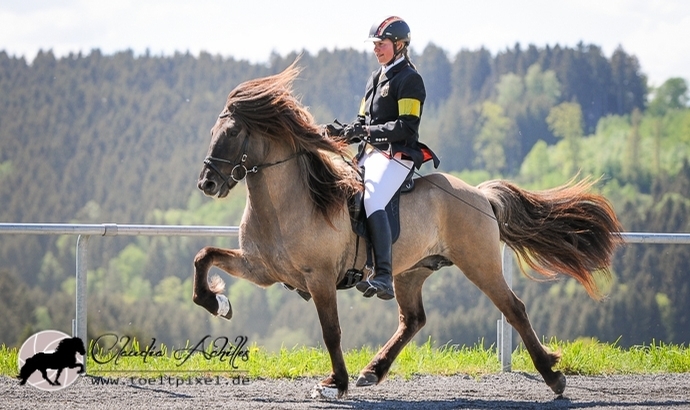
[79,365]
[408,293]
[327,308]
[211,297]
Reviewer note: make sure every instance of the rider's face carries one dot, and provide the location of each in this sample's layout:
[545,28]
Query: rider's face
[383,50]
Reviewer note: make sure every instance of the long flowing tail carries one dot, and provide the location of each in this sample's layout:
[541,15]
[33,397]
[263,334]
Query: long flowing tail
[561,230]
[26,370]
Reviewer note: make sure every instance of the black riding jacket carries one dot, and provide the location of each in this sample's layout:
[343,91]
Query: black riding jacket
[392,108]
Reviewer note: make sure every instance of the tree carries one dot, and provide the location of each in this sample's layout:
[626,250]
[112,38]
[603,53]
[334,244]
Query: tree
[671,95]
[527,101]
[629,85]
[631,161]
[471,72]
[18,298]
[565,121]
[435,67]
[492,139]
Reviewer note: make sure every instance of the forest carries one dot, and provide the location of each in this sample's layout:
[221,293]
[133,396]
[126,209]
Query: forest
[94,138]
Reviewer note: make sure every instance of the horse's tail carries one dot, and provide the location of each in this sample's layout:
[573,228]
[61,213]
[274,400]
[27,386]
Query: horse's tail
[27,370]
[561,230]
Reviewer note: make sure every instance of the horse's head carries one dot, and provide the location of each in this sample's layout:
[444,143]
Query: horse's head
[71,345]
[263,125]
[226,162]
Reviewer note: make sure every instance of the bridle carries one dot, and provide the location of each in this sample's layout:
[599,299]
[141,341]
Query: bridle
[239,169]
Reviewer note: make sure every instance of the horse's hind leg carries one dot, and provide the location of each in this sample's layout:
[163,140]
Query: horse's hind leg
[488,276]
[46,378]
[408,293]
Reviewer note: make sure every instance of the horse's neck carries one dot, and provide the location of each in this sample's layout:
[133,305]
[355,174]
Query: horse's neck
[277,194]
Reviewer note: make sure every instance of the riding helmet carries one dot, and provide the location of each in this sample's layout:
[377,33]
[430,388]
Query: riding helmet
[393,28]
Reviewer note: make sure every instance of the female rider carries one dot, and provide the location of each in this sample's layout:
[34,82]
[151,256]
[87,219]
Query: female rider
[387,128]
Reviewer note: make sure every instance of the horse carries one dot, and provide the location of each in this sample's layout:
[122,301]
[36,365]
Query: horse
[296,229]
[63,357]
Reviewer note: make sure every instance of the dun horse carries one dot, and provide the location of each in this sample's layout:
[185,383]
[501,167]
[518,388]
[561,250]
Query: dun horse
[296,228]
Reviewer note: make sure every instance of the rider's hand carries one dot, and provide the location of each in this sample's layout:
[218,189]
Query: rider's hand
[354,133]
[334,129]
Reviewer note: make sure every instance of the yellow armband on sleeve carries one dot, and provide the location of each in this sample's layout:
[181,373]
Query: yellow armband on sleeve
[361,107]
[409,106]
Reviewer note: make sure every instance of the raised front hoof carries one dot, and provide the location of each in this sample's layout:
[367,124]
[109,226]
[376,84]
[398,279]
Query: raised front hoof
[367,379]
[558,386]
[224,307]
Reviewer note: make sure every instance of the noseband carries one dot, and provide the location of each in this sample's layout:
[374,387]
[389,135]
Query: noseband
[239,169]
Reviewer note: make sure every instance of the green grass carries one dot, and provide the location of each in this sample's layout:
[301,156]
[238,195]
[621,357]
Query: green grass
[582,357]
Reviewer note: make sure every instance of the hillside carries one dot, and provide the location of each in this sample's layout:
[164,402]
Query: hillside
[116,138]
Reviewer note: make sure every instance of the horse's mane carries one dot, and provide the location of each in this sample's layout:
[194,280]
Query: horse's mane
[267,106]
[68,345]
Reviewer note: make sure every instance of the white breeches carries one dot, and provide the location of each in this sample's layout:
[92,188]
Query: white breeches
[383,177]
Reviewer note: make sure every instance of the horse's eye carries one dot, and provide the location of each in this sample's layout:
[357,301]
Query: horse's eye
[233,133]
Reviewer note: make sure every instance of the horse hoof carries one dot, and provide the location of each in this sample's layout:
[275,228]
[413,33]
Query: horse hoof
[559,386]
[367,379]
[324,392]
[224,308]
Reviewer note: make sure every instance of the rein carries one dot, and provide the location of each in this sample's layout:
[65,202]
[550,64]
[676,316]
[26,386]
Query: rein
[239,170]
[392,158]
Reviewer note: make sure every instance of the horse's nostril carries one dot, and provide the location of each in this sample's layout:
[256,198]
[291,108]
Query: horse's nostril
[207,185]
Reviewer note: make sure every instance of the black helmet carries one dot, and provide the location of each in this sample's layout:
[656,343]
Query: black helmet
[393,28]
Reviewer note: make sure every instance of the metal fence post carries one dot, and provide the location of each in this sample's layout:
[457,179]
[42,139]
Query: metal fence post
[504,340]
[82,254]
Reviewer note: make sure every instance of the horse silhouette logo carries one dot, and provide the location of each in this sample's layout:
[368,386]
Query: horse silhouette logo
[46,356]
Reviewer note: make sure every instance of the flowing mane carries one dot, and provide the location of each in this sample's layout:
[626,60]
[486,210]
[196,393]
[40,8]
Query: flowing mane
[267,106]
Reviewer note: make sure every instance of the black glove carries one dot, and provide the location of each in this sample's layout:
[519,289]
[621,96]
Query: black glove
[354,133]
[334,129]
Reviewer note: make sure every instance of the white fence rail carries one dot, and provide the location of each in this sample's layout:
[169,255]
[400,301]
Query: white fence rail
[504,332]
[85,231]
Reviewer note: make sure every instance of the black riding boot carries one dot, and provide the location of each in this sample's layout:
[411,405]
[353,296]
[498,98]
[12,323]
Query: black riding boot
[381,283]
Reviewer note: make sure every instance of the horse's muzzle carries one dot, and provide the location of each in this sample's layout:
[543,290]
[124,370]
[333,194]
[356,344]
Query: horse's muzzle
[212,188]
[208,187]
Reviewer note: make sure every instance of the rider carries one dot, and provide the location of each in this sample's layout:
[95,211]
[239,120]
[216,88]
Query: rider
[387,126]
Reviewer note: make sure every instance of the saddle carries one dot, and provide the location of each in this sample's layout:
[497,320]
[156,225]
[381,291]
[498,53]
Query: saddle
[358,218]
[359,226]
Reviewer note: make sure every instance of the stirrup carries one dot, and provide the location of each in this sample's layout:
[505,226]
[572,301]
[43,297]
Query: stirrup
[370,289]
